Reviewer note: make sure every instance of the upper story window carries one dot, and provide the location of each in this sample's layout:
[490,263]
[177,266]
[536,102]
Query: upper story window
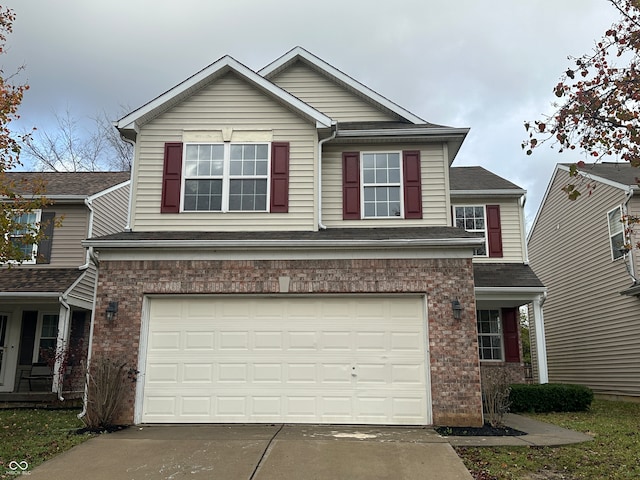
[19,237]
[616,232]
[381,185]
[472,219]
[226,177]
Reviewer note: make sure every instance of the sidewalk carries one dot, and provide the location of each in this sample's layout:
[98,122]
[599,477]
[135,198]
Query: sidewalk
[539,434]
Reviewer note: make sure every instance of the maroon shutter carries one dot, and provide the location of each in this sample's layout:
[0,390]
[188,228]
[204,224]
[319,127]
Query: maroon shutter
[412,184]
[351,185]
[279,177]
[494,231]
[171,178]
[510,327]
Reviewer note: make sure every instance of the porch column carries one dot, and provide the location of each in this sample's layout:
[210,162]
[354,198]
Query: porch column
[541,346]
[61,346]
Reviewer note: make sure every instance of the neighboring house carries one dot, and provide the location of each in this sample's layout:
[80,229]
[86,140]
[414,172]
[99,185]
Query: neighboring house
[293,256]
[579,249]
[46,302]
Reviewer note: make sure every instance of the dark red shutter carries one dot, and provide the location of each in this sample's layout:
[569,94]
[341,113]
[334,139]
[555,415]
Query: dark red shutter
[47,221]
[171,178]
[494,231]
[351,185]
[279,177]
[412,184]
[510,327]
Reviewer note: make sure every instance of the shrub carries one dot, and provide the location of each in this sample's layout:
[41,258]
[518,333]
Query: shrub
[550,397]
[107,384]
[495,395]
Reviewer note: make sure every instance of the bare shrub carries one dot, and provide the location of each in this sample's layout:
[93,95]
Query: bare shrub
[107,383]
[495,395]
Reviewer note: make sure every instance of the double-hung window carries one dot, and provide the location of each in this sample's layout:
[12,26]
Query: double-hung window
[472,219]
[47,333]
[489,335]
[616,232]
[382,185]
[226,177]
[29,222]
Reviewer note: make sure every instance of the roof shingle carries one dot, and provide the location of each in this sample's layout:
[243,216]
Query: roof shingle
[34,280]
[68,183]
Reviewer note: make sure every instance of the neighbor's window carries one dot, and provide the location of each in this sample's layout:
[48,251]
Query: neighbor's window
[48,337]
[489,335]
[381,185]
[17,237]
[616,232]
[472,219]
[225,177]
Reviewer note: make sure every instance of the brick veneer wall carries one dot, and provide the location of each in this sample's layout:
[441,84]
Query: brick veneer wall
[455,369]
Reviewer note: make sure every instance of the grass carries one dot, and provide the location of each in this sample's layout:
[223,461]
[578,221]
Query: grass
[33,436]
[613,454]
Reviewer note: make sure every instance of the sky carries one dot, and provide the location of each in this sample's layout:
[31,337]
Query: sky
[489,65]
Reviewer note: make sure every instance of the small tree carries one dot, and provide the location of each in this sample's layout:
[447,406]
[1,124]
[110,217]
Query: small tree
[17,198]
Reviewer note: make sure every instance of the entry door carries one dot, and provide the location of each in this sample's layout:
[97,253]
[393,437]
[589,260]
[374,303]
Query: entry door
[8,352]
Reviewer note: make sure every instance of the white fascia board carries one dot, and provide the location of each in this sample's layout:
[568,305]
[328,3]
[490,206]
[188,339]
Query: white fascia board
[299,52]
[493,293]
[600,179]
[279,244]
[131,121]
[485,193]
[438,132]
[107,190]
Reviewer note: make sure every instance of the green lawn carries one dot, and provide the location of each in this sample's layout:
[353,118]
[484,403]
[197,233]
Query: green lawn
[33,436]
[614,453]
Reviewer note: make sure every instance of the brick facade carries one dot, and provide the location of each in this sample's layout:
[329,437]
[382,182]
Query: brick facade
[455,369]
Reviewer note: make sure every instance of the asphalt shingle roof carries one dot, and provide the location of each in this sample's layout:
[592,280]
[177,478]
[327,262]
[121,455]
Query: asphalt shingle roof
[505,275]
[68,183]
[477,178]
[26,279]
[622,173]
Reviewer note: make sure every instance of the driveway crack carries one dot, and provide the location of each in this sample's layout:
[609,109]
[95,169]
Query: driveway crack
[265,453]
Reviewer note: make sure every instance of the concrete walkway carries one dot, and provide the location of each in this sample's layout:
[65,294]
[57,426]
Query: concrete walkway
[283,452]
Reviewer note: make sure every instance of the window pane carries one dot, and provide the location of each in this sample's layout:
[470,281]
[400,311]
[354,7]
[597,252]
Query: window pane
[394,175]
[235,167]
[236,152]
[617,242]
[369,176]
[249,195]
[248,168]
[368,161]
[250,152]
[262,152]
[203,195]
[204,152]
[479,224]
[192,152]
[261,167]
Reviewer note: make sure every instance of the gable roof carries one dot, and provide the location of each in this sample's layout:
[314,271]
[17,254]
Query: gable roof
[53,281]
[299,54]
[67,184]
[129,124]
[479,181]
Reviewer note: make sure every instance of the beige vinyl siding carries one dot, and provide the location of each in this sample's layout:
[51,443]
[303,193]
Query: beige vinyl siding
[327,96]
[229,102]
[110,212]
[66,250]
[592,332]
[84,289]
[434,199]
[511,216]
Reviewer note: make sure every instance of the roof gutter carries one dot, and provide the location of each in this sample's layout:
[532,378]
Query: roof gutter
[437,132]
[629,254]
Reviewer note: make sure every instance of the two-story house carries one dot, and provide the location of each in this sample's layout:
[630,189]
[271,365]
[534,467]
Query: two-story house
[586,256]
[299,250]
[46,301]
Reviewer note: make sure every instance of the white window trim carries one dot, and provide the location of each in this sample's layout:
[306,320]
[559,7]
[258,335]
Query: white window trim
[484,231]
[226,177]
[36,344]
[611,235]
[399,184]
[500,334]
[34,249]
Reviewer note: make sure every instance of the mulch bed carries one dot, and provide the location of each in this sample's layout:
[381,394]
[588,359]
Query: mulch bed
[485,431]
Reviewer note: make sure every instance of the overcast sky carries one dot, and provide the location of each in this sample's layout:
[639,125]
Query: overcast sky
[484,64]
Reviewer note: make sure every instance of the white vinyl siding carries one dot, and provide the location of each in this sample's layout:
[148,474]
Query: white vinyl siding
[228,102]
[327,96]
[511,224]
[354,360]
[592,332]
[434,180]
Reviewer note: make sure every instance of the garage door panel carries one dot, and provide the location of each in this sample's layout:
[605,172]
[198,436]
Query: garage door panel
[327,360]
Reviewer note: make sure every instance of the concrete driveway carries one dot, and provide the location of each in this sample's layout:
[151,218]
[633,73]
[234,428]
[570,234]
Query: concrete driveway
[259,452]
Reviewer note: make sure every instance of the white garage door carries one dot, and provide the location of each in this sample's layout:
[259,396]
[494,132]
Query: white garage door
[358,360]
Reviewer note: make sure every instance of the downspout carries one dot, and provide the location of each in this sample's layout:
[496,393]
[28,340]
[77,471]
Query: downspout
[88,203]
[85,396]
[523,226]
[321,226]
[541,346]
[61,346]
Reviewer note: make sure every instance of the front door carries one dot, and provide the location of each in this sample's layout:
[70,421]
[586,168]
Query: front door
[8,352]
